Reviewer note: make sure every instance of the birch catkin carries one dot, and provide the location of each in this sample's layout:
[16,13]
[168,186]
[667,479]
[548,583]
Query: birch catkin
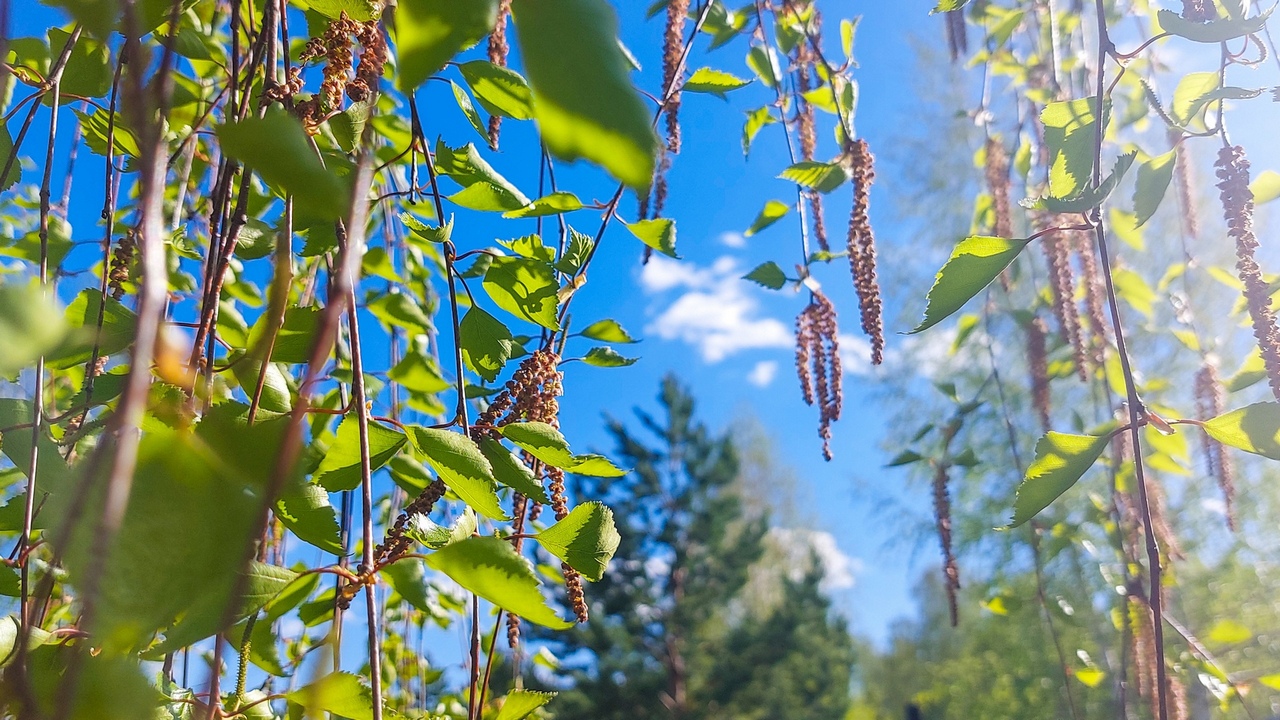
[862,248]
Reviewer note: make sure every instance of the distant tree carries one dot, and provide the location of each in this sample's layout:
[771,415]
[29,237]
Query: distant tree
[671,634]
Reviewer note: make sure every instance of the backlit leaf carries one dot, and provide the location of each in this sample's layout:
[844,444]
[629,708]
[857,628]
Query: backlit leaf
[340,468]
[490,568]
[586,539]
[658,233]
[430,32]
[1253,428]
[525,288]
[1060,461]
[1154,177]
[974,263]
[773,211]
[462,467]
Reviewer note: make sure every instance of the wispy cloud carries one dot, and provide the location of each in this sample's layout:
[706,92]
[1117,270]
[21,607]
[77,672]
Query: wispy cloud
[763,373]
[715,311]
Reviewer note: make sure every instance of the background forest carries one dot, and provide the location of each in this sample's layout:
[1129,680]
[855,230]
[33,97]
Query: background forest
[352,365]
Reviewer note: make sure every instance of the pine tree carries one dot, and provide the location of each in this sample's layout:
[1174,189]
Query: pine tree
[668,624]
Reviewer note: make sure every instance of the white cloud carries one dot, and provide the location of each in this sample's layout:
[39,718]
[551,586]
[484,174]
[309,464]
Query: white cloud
[716,312]
[733,239]
[763,373]
[839,570]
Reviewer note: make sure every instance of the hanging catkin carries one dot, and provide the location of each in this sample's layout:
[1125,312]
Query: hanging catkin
[1210,403]
[806,123]
[1037,362]
[1062,285]
[498,51]
[942,517]
[672,45]
[1186,200]
[818,364]
[1094,297]
[861,245]
[1237,207]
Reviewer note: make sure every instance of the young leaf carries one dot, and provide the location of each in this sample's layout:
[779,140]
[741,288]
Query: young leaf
[30,323]
[974,263]
[510,471]
[118,323]
[1154,176]
[548,445]
[584,100]
[500,91]
[1069,128]
[715,82]
[756,119]
[658,233]
[490,568]
[462,467]
[1212,32]
[820,176]
[340,468]
[469,110]
[306,511]
[422,230]
[1253,428]
[1060,461]
[607,331]
[606,356]
[525,288]
[764,63]
[483,187]
[769,275]
[486,343]
[399,309]
[430,32]
[519,704]
[553,204]
[576,254]
[586,539]
[772,211]
[276,146]
[338,693]
[1265,187]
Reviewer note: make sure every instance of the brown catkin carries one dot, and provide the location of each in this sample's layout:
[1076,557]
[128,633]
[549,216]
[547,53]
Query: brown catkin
[862,248]
[498,51]
[672,44]
[1237,207]
[1199,10]
[1156,503]
[1094,297]
[996,171]
[337,68]
[1062,284]
[1210,403]
[1143,648]
[942,517]
[1037,362]
[121,262]
[373,59]
[1185,182]
[818,364]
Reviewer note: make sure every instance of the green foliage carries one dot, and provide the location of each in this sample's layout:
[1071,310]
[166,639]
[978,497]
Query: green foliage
[1060,461]
[489,567]
[974,263]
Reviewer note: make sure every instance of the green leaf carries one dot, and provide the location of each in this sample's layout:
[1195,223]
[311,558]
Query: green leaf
[10,629]
[519,704]
[1154,177]
[510,471]
[421,529]
[584,100]
[483,187]
[756,119]
[1069,129]
[769,275]
[586,539]
[439,234]
[553,204]
[1265,187]
[1253,428]
[1087,198]
[340,468]
[525,288]
[294,339]
[1060,461]
[487,344]
[499,90]
[462,467]
[407,578]
[358,10]
[348,126]
[715,82]
[974,263]
[820,176]
[419,373]
[548,445]
[658,233]
[469,110]
[607,331]
[906,457]
[948,6]
[30,323]
[1134,290]
[88,70]
[6,147]
[277,147]
[764,63]
[1212,32]
[576,254]
[1229,632]
[429,33]
[399,309]
[490,568]
[118,324]
[773,211]
[306,511]
[606,356]
[339,693]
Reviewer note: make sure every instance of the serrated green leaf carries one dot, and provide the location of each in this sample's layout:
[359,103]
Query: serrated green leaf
[547,444]
[339,693]
[1154,177]
[31,324]
[1059,463]
[606,356]
[714,82]
[340,468]
[499,90]
[820,176]
[658,233]
[1253,428]
[510,471]
[490,568]
[585,539]
[553,204]
[469,111]
[525,288]
[462,467]
[584,100]
[519,704]
[756,119]
[769,275]
[429,33]
[487,344]
[1212,32]
[1069,129]
[974,263]
[772,211]
[399,309]
[306,511]
[277,147]
[607,331]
